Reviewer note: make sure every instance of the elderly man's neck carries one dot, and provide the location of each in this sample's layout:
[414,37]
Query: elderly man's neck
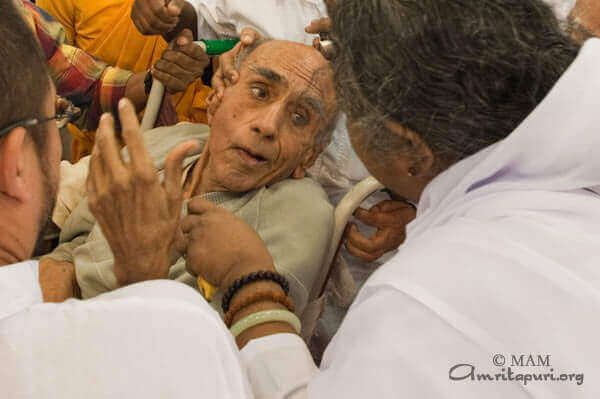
[200,180]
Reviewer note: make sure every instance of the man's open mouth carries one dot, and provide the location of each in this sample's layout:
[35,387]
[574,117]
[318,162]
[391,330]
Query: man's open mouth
[250,157]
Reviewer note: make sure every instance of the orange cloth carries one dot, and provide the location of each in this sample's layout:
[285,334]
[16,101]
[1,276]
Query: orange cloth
[104,29]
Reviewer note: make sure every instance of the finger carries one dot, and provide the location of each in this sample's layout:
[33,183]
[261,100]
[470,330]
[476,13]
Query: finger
[227,63]
[377,218]
[174,7]
[189,223]
[317,43]
[173,172]
[369,257]
[200,206]
[140,22]
[89,181]
[249,36]
[181,242]
[159,27]
[187,58]
[160,12]
[218,83]
[98,167]
[321,25]
[184,37]
[132,135]
[392,205]
[375,243]
[173,84]
[172,69]
[108,147]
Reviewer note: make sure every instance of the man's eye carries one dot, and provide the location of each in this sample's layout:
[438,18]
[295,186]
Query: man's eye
[259,92]
[299,119]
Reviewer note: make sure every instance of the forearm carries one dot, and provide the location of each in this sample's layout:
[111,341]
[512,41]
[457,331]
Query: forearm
[57,280]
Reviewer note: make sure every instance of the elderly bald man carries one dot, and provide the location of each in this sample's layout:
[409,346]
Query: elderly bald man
[266,131]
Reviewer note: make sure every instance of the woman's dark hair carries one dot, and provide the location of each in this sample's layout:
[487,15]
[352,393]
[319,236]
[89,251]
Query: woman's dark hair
[24,79]
[462,74]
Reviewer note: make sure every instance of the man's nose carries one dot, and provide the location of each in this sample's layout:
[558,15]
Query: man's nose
[269,120]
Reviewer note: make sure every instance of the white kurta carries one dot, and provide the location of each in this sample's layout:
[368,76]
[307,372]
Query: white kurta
[503,260]
[157,339]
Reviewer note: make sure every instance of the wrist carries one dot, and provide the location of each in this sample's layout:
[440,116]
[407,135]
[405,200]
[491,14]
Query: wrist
[135,90]
[242,270]
[135,269]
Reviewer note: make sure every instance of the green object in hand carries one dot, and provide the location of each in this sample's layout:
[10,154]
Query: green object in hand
[217,47]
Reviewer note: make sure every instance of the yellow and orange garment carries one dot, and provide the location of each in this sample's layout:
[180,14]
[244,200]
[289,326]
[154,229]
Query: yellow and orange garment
[104,29]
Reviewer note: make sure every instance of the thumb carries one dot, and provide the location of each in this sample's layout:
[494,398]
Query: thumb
[184,37]
[173,172]
[174,7]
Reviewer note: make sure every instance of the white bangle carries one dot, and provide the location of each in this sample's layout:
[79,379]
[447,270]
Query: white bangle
[265,316]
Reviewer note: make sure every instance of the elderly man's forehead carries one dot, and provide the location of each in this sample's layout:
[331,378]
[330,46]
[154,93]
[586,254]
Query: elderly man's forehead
[290,63]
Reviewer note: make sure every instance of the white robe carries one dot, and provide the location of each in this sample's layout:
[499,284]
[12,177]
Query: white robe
[502,260]
[157,339]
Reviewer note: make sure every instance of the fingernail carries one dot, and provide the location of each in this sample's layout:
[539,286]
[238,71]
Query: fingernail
[246,38]
[122,103]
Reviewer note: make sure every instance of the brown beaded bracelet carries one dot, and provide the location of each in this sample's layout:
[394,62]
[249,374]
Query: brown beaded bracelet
[257,297]
[263,275]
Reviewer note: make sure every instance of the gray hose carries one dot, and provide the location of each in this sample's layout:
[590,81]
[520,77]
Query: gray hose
[155,98]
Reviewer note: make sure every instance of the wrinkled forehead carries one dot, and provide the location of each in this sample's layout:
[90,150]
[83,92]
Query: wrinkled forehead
[297,67]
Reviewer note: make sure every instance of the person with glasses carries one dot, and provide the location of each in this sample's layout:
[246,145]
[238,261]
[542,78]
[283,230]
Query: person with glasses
[114,346]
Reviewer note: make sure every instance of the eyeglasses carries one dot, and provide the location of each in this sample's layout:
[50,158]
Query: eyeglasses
[62,118]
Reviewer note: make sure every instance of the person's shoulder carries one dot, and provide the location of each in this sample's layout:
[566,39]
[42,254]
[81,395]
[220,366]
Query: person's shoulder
[160,141]
[298,195]
[183,130]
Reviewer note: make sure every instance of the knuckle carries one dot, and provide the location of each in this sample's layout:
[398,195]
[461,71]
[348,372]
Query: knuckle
[121,183]
[145,176]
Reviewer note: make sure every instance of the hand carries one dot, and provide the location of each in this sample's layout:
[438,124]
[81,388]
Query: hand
[182,65]
[156,17]
[226,74]
[587,14]
[390,218]
[57,280]
[317,26]
[219,246]
[138,215]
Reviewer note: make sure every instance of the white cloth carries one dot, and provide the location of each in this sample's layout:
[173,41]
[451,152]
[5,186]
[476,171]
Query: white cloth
[157,339]
[275,19]
[503,258]
[561,7]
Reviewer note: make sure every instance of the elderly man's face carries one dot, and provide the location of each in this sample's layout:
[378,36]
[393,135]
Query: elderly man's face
[264,130]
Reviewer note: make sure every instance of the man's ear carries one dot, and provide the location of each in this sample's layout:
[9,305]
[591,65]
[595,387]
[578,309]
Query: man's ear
[423,159]
[12,165]
[309,159]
